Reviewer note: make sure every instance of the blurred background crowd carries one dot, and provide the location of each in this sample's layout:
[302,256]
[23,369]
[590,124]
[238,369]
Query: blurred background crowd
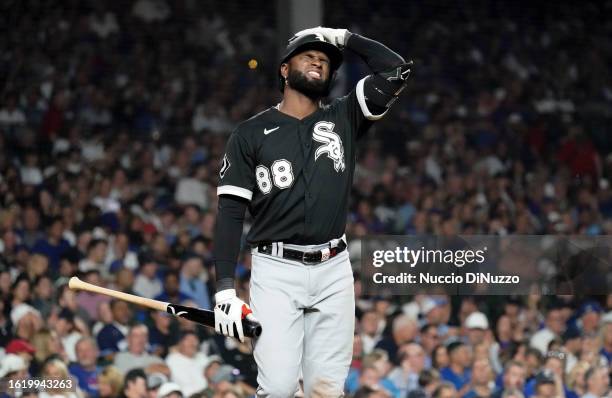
[113,119]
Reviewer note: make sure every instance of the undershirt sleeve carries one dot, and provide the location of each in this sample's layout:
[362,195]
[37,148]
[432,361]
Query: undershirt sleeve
[228,233]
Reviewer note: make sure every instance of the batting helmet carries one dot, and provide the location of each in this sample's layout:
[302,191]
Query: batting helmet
[317,42]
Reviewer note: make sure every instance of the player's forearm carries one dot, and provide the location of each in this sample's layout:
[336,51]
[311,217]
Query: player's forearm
[228,232]
[376,55]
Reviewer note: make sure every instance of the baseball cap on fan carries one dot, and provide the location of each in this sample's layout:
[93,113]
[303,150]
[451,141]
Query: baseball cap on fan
[477,320]
[169,388]
[11,363]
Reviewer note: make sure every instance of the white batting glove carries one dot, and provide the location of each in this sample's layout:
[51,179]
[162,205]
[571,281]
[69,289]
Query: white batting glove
[229,313]
[337,37]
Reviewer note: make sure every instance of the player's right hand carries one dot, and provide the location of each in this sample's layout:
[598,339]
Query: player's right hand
[337,37]
[229,313]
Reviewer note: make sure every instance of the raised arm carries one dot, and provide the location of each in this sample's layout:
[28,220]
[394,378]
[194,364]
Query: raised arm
[390,71]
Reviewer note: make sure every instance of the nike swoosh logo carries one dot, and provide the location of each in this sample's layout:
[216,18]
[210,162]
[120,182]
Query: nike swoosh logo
[266,131]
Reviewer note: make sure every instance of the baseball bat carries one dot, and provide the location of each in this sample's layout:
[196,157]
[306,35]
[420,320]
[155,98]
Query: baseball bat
[198,315]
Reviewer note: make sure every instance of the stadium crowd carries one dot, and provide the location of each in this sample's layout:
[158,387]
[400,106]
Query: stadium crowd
[113,119]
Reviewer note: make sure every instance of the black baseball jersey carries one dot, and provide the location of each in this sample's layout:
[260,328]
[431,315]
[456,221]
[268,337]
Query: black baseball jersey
[297,174]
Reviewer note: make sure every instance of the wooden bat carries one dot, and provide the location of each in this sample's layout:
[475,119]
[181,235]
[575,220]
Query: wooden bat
[198,315]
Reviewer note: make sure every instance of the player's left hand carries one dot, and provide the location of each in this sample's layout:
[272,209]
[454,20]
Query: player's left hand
[229,313]
[337,37]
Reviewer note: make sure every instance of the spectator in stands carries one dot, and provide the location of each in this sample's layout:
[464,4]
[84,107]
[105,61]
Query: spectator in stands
[104,317]
[482,381]
[187,364]
[31,233]
[13,367]
[134,384]
[110,382]
[547,386]
[67,332]
[571,347]
[403,330]
[458,372]
[67,298]
[192,283]
[597,380]
[112,337]
[86,369]
[429,339]
[20,291]
[554,364]
[575,378]
[96,254]
[533,361]
[46,344]
[163,333]
[147,283]
[124,280]
[429,381]
[370,333]
[136,355]
[171,292]
[24,349]
[53,245]
[439,357]
[445,390]
[56,369]
[477,325]
[555,325]
[26,321]
[590,314]
[368,377]
[513,378]
[412,362]
[89,301]
[169,390]
[43,295]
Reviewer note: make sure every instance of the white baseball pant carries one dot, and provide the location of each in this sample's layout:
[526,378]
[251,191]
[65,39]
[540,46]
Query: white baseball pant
[307,313]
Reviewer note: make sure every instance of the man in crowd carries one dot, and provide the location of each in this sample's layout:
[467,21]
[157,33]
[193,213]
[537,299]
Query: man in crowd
[513,378]
[136,355]
[597,381]
[147,283]
[135,384]
[187,364]
[370,334]
[85,369]
[112,337]
[429,339]
[458,372]
[482,379]
[412,362]
[555,325]
[404,329]
[191,282]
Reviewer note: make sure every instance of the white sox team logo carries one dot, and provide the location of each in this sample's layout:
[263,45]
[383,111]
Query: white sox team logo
[324,132]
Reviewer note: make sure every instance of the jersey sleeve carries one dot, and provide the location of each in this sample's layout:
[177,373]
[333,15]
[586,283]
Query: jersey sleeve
[237,175]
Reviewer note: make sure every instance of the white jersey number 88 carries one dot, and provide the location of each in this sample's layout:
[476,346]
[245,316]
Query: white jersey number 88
[282,176]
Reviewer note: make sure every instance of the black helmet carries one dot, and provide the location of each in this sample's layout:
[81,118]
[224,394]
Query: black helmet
[311,42]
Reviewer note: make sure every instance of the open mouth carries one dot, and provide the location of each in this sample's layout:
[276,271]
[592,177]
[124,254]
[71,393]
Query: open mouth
[314,74]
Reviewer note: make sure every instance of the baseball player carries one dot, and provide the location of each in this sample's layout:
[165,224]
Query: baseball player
[292,165]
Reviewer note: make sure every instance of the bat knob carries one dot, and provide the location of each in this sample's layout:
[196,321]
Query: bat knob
[251,328]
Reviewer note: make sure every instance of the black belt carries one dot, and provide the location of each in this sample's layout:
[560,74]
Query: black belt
[308,258]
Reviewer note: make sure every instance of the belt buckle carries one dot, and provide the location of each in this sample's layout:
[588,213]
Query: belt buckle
[308,262]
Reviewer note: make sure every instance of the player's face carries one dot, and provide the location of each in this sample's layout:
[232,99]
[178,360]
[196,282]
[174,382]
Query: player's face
[308,73]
